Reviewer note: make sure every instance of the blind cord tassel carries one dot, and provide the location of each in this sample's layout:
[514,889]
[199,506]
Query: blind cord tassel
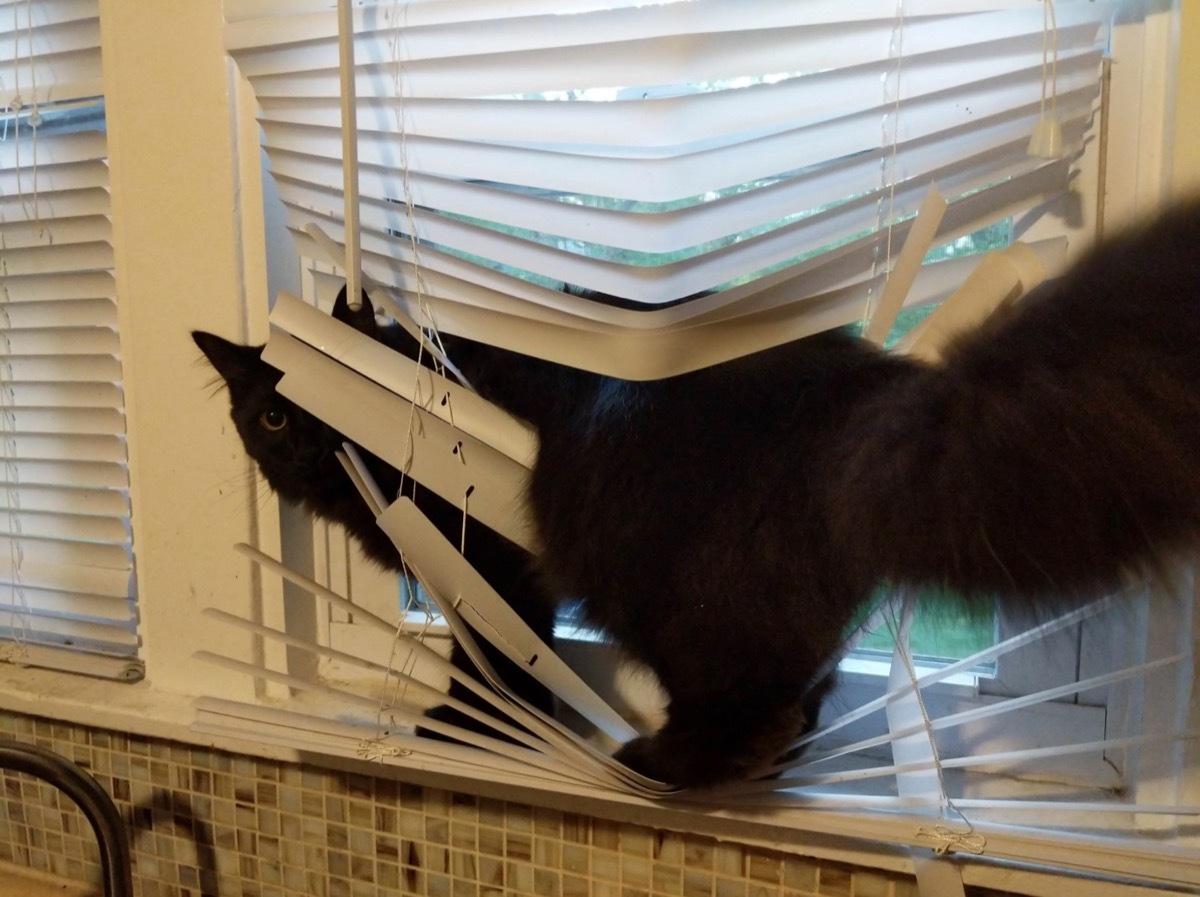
[946,840]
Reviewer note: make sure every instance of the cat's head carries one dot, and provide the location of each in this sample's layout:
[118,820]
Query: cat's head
[293,449]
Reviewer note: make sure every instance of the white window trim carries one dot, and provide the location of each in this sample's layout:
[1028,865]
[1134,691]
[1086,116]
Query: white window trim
[197,205]
[1145,97]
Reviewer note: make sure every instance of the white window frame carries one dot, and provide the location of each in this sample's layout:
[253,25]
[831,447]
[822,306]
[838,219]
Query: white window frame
[1137,87]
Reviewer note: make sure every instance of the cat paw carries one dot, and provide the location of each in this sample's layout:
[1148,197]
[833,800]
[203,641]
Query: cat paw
[730,739]
[660,759]
[643,755]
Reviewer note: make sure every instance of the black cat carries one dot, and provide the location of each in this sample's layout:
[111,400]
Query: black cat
[726,526]
[296,453]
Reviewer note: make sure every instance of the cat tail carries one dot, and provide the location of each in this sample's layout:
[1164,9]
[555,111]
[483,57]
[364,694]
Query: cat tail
[1052,451]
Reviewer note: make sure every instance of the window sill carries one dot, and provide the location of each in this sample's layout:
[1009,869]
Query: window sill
[140,709]
[876,841]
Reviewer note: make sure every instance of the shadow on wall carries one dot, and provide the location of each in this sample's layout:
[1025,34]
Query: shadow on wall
[175,809]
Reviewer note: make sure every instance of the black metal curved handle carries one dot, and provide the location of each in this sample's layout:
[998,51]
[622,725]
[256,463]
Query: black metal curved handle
[96,805]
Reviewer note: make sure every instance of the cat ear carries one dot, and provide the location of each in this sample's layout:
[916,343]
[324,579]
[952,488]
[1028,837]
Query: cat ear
[362,319]
[233,362]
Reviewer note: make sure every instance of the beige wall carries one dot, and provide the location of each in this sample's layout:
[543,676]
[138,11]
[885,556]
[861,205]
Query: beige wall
[1186,150]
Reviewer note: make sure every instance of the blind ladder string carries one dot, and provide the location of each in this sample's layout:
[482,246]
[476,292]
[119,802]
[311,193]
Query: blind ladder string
[397,11]
[887,165]
[349,107]
[19,614]
[944,838]
[396,691]
[1046,140]
[1049,58]
[17,105]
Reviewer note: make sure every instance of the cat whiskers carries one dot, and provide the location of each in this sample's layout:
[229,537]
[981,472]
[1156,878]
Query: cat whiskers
[258,489]
[216,385]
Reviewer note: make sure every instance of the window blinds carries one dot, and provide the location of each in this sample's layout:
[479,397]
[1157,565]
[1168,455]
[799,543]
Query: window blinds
[763,159]
[67,600]
[769,152]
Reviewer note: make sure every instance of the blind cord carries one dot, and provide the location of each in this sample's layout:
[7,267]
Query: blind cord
[944,839]
[887,165]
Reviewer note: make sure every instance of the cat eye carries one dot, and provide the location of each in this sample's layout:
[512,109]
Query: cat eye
[273,420]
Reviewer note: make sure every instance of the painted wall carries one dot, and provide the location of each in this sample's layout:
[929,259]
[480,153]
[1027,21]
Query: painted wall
[1186,154]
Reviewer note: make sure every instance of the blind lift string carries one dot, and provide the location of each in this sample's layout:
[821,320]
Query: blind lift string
[353,253]
[349,106]
[887,164]
[19,622]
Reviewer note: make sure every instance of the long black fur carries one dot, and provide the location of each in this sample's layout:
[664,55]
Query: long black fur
[726,526]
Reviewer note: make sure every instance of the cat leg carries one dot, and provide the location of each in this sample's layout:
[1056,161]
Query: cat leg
[528,688]
[720,735]
[526,597]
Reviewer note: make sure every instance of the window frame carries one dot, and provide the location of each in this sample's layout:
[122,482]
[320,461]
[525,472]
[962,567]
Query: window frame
[71,596]
[338,565]
[1137,89]
[191,195]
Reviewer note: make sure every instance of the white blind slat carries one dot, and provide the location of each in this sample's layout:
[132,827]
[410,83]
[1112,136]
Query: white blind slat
[120,667]
[63,395]
[72,341]
[72,527]
[663,283]
[88,85]
[103,581]
[62,216]
[14,182]
[48,259]
[80,554]
[22,15]
[73,368]
[35,447]
[102,502]
[15,474]
[56,149]
[255,23]
[66,313]
[65,421]
[61,604]
[56,285]
[73,632]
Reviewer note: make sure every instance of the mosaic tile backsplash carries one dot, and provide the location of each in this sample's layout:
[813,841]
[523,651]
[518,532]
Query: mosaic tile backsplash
[205,823]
